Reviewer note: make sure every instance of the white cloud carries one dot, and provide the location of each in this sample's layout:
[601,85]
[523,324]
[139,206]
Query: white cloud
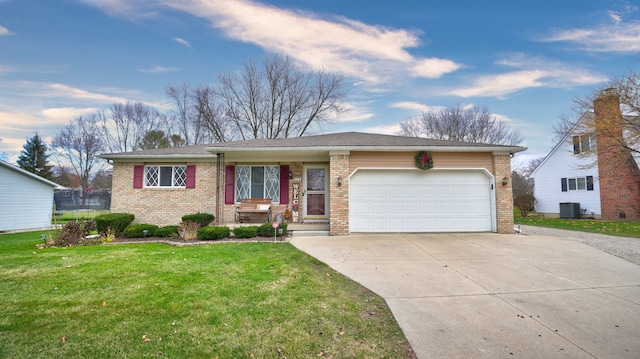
[529,73]
[157,69]
[61,90]
[615,17]
[618,37]
[182,41]
[67,113]
[434,68]
[415,106]
[355,113]
[4,31]
[373,53]
[385,130]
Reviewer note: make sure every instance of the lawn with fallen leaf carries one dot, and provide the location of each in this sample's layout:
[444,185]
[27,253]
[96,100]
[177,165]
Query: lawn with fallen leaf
[621,229]
[226,300]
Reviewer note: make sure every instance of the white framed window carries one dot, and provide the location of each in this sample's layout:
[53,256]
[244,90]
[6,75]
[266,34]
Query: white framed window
[258,182]
[165,176]
[577,184]
[584,143]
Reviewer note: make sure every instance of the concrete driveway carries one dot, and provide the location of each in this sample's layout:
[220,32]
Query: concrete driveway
[484,295]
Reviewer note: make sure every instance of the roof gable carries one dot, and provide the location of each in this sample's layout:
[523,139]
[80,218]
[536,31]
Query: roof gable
[30,175]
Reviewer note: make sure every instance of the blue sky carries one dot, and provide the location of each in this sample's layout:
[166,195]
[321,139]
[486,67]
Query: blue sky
[525,61]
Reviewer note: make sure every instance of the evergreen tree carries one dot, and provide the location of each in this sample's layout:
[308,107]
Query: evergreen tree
[34,158]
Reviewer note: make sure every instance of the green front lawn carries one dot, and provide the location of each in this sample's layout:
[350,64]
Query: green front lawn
[623,229]
[248,300]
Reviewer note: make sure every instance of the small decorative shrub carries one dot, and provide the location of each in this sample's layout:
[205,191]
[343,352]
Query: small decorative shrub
[213,233]
[116,221]
[525,203]
[245,232]
[137,230]
[188,230]
[72,233]
[267,230]
[107,236]
[167,232]
[203,219]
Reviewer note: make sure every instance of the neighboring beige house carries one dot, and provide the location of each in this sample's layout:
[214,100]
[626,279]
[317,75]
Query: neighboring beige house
[355,182]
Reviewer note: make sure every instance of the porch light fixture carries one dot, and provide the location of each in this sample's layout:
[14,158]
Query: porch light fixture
[339,181]
[290,174]
[505,180]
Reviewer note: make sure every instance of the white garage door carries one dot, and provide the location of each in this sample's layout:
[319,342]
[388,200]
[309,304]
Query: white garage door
[420,201]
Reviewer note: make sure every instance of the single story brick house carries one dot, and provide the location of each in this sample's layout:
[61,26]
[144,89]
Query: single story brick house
[355,182]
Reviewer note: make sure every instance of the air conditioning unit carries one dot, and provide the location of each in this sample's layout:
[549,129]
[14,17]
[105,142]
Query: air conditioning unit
[570,210]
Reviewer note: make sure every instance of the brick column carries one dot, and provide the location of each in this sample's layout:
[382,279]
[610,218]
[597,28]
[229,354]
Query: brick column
[339,195]
[618,171]
[504,193]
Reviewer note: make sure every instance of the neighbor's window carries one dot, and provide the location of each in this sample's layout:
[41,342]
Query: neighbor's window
[258,182]
[584,143]
[165,176]
[577,184]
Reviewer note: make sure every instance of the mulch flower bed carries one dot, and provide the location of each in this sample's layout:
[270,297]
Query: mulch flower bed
[176,241]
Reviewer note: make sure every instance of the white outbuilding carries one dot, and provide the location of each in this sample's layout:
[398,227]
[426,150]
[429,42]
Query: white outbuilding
[26,200]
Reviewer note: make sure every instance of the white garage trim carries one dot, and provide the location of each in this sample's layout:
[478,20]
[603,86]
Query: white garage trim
[413,200]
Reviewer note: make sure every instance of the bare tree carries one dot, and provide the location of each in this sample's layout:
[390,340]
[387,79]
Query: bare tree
[78,144]
[185,119]
[127,124]
[458,123]
[278,100]
[522,183]
[210,114]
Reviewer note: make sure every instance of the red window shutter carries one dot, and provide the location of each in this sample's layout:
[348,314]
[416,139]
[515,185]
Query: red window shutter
[191,176]
[138,176]
[284,184]
[229,184]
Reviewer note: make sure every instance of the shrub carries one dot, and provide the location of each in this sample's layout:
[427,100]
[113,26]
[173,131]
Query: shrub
[203,219]
[245,232]
[267,230]
[73,233]
[525,203]
[137,230]
[167,231]
[213,233]
[108,236]
[188,230]
[117,222]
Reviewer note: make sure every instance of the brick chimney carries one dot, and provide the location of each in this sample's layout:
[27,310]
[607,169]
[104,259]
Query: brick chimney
[618,171]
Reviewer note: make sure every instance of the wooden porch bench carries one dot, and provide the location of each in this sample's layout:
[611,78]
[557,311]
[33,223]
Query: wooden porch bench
[253,206]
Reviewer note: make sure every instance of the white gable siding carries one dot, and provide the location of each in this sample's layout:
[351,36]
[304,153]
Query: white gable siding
[25,202]
[562,163]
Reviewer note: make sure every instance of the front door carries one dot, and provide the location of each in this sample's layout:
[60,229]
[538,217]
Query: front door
[315,192]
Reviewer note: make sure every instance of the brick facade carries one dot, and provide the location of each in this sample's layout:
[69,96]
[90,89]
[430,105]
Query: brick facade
[166,206]
[163,206]
[504,193]
[339,194]
[618,172]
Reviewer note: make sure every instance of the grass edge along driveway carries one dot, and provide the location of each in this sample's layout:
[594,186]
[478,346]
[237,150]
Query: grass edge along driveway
[245,300]
[612,228]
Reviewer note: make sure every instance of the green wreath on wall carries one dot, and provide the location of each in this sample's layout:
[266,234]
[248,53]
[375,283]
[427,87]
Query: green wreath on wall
[424,161]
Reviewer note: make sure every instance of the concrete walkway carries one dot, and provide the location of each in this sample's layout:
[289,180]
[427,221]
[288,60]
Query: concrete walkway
[485,295]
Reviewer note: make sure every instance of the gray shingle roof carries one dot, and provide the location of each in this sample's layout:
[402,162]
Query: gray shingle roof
[332,141]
